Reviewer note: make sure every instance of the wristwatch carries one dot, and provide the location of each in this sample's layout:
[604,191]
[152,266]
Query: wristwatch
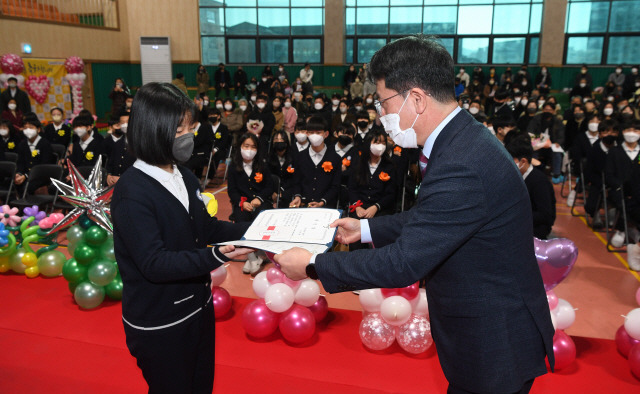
[311,271]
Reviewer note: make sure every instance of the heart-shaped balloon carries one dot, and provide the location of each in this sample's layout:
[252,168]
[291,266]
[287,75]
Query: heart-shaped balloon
[38,87]
[556,258]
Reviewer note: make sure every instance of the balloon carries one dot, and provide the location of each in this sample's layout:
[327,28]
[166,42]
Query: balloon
[260,284]
[95,236]
[114,289]
[15,261]
[553,320]
[72,286]
[409,292]
[564,349]
[624,342]
[293,284]
[414,336]
[552,299]
[390,292]
[422,307]
[74,272]
[297,324]
[221,301]
[85,222]
[555,259]
[320,309]
[371,299]
[88,296]
[638,296]
[50,263]
[274,275]
[4,264]
[632,323]
[565,314]
[258,320]
[84,253]
[218,276]
[107,250]
[395,310]
[32,272]
[279,297]
[634,360]
[75,234]
[308,293]
[375,334]
[102,272]
[29,259]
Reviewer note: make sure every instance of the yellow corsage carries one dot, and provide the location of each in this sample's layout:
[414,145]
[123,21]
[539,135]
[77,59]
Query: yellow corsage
[195,134]
[218,135]
[35,153]
[11,145]
[61,132]
[89,155]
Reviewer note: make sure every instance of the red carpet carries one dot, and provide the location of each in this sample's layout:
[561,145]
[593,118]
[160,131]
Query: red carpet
[49,345]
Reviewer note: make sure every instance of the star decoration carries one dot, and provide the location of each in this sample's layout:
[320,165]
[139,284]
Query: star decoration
[87,196]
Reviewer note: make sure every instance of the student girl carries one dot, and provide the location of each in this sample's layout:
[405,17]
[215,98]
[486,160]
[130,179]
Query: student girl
[281,164]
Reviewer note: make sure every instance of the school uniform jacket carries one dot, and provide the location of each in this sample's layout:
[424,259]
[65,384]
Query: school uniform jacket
[380,189]
[618,168]
[257,185]
[203,141]
[88,156]
[284,172]
[61,137]
[27,159]
[596,162]
[120,159]
[222,140]
[542,197]
[318,182]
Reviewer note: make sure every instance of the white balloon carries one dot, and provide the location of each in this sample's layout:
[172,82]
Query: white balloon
[553,319]
[565,314]
[421,308]
[395,310]
[218,276]
[308,293]
[371,299]
[632,323]
[260,284]
[279,297]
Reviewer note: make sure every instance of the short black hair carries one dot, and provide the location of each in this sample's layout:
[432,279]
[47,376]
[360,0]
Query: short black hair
[82,120]
[608,124]
[416,61]
[549,104]
[633,124]
[300,125]
[157,111]
[179,75]
[357,100]
[520,148]
[113,121]
[502,94]
[31,118]
[56,109]
[346,128]
[501,122]
[12,79]
[362,114]
[317,123]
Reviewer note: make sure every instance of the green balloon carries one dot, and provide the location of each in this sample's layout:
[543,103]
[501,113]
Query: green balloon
[85,222]
[50,264]
[74,272]
[107,250]
[72,286]
[114,289]
[95,236]
[88,296]
[102,272]
[75,234]
[15,261]
[84,253]
[72,248]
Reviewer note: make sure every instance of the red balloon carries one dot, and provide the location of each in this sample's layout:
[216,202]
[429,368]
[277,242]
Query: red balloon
[410,292]
[390,292]
[552,298]
[564,349]
[634,360]
[297,324]
[624,342]
[258,320]
[221,301]
[320,309]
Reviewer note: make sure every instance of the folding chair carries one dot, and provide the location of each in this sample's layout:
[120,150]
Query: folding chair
[205,180]
[11,156]
[60,151]
[227,163]
[39,173]
[7,171]
[276,182]
[579,183]
[567,181]
[611,248]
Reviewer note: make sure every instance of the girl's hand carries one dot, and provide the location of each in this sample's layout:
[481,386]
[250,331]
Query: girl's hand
[247,206]
[235,254]
[256,202]
[360,212]
[370,212]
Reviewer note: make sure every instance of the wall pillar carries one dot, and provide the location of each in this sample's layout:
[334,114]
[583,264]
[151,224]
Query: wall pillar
[552,33]
[334,31]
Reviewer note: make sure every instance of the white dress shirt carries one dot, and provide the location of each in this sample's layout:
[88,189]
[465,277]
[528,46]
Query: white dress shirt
[32,146]
[302,147]
[632,153]
[85,144]
[526,173]
[247,167]
[343,151]
[373,167]
[316,157]
[173,181]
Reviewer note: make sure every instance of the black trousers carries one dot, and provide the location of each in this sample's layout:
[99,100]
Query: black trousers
[456,390]
[177,359]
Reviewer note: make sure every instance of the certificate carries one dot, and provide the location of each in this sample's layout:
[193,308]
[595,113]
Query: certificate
[277,230]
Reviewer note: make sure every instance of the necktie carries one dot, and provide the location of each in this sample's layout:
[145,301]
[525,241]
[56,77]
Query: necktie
[423,163]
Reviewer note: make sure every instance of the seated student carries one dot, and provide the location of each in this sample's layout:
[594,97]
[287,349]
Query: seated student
[57,132]
[202,143]
[120,159]
[621,161]
[580,148]
[541,194]
[318,170]
[87,147]
[343,116]
[221,141]
[301,140]
[32,150]
[256,127]
[357,105]
[547,131]
[363,125]
[9,137]
[118,132]
[263,112]
[502,126]
[596,161]
[281,164]
[13,114]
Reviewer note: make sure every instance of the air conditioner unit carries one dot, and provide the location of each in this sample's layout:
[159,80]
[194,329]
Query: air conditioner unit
[155,59]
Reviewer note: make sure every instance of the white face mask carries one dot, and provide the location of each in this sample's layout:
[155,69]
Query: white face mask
[248,154]
[315,139]
[12,106]
[343,110]
[124,127]
[524,102]
[618,70]
[301,137]
[243,107]
[4,132]
[335,102]
[260,105]
[281,69]
[369,101]
[30,133]
[253,98]
[287,104]
[465,106]
[57,118]
[631,136]
[540,103]
[582,85]
[218,106]
[318,106]
[377,149]
[80,132]
[607,111]
[491,130]
[473,110]
[228,107]
[358,108]
[634,70]
[264,79]
[593,127]
[403,138]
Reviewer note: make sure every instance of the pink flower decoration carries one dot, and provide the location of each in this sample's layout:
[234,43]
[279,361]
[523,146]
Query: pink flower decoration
[74,64]
[11,63]
[9,216]
[50,221]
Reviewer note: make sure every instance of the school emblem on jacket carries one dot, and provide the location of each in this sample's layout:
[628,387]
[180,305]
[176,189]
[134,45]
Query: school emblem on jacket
[35,153]
[11,145]
[61,132]
[89,155]
[218,135]
[384,177]
[327,166]
[258,177]
[290,170]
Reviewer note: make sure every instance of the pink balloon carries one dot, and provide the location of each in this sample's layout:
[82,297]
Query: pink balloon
[410,292]
[294,284]
[297,325]
[552,298]
[320,309]
[634,360]
[564,349]
[274,275]
[258,320]
[638,296]
[221,301]
[624,342]
[390,292]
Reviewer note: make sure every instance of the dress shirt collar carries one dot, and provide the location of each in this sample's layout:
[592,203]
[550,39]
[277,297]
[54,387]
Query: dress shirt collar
[318,155]
[157,173]
[343,151]
[302,147]
[85,144]
[529,170]
[35,142]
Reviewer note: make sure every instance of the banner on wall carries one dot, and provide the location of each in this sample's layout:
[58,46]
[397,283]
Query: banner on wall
[58,93]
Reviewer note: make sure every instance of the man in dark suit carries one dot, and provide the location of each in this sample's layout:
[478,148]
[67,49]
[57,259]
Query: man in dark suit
[469,234]
[13,92]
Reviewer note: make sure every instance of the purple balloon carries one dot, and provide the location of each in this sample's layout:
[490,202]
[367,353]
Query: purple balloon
[320,309]
[297,325]
[258,320]
[556,258]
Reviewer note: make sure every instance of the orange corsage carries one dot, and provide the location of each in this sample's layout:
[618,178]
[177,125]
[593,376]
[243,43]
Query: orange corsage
[327,166]
[397,150]
[258,177]
[346,162]
[290,170]
[384,176]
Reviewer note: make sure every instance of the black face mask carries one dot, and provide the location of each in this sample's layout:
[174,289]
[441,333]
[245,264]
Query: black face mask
[213,119]
[609,140]
[363,124]
[117,132]
[579,116]
[547,117]
[344,140]
[627,116]
[532,110]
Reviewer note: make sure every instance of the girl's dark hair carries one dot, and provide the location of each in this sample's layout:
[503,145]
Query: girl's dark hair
[273,155]
[362,168]
[258,160]
[157,111]
[228,100]
[82,120]
[31,118]
[9,125]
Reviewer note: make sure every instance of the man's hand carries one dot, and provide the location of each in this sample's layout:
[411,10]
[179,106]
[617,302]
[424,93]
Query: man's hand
[295,203]
[348,230]
[293,262]
[235,254]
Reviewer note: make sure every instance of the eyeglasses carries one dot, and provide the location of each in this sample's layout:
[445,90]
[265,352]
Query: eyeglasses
[378,103]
